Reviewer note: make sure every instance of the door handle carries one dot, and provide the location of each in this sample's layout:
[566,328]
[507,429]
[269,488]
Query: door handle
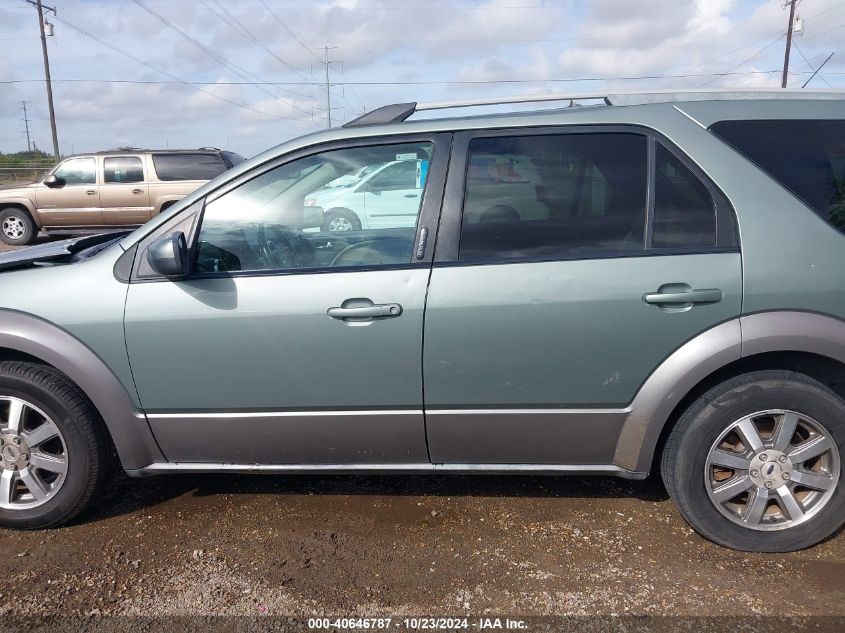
[711,295]
[376,311]
[91,192]
[412,195]
[137,191]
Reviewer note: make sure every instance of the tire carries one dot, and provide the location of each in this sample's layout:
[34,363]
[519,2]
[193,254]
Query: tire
[333,215]
[78,441]
[767,400]
[17,227]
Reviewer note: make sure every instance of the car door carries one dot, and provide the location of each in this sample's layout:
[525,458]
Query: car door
[75,199]
[542,322]
[289,346]
[124,193]
[387,193]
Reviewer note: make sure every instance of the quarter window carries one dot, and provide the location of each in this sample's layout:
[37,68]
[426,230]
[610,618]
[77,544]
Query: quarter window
[537,197]
[77,171]
[805,156]
[188,166]
[684,209]
[123,169]
[297,216]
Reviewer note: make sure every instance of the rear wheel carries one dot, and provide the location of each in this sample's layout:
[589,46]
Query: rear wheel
[17,227]
[52,452]
[756,463]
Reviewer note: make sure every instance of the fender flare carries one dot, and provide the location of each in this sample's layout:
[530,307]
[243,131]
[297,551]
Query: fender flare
[55,346]
[675,377]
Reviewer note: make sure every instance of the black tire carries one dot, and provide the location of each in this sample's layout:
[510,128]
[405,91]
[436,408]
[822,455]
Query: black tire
[346,214]
[685,455]
[30,231]
[500,213]
[84,437]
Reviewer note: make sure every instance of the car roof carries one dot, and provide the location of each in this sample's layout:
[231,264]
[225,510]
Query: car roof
[139,150]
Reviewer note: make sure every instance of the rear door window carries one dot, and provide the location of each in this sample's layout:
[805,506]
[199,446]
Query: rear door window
[123,169]
[188,166]
[543,197]
[805,156]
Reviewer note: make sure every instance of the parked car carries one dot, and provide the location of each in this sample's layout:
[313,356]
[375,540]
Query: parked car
[667,297]
[384,195]
[108,189]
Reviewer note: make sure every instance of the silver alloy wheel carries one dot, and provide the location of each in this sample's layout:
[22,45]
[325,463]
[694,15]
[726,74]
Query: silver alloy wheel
[340,223]
[772,470]
[14,227]
[33,455]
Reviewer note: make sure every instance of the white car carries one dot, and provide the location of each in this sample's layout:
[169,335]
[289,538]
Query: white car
[386,197]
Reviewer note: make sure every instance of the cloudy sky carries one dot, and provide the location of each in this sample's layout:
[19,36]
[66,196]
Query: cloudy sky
[246,74]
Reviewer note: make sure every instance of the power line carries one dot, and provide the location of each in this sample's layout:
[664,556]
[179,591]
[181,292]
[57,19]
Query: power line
[238,25]
[175,79]
[285,27]
[424,83]
[745,61]
[213,55]
[815,70]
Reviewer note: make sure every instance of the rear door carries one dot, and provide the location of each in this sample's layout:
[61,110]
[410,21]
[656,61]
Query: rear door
[547,310]
[124,194]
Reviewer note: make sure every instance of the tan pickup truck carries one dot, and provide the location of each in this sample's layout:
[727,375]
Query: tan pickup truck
[106,190]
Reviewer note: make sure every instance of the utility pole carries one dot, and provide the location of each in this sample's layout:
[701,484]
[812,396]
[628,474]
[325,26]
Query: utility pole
[37,4]
[327,63]
[26,127]
[792,4]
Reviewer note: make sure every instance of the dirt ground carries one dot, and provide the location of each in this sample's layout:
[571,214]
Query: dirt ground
[400,545]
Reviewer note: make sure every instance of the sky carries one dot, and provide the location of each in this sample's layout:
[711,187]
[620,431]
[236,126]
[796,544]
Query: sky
[248,74]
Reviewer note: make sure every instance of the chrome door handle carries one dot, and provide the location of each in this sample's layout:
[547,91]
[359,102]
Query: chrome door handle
[376,311]
[711,295]
[137,191]
[91,192]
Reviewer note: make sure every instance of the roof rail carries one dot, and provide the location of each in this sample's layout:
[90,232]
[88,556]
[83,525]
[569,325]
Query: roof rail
[398,112]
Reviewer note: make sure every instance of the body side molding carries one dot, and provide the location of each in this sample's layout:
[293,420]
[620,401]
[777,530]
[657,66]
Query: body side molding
[128,428]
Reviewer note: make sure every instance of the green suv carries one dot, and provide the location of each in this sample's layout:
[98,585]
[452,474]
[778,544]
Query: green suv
[653,283]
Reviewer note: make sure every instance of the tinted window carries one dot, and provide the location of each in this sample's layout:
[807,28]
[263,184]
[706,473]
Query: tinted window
[288,218]
[684,209]
[123,169]
[77,171]
[807,157]
[188,166]
[549,196]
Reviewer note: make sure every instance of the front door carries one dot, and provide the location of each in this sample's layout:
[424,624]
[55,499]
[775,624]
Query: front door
[75,199]
[124,194]
[290,346]
[546,312]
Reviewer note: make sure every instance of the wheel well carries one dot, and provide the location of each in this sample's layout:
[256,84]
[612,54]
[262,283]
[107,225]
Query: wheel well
[827,371]
[19,207]
[7,354]
[167,205]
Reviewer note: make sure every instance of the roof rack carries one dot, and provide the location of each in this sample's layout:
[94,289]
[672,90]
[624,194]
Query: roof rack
[398,112]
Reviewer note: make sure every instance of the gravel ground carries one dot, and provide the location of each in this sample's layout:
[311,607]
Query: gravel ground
[395,546]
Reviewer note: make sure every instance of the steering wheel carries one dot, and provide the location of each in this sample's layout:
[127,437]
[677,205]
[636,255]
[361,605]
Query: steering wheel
[276,252]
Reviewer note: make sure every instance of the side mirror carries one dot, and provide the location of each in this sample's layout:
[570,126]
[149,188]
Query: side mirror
[54,181]
[168,256]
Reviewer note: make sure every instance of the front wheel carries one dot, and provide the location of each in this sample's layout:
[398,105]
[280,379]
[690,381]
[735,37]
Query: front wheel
[53,453]
[17,227]
[340,221]
[755,463]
